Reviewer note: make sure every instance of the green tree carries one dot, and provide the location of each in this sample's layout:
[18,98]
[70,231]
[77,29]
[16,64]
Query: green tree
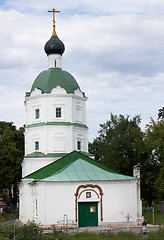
[154,167]
[120,143]
[11,155]
[161,113]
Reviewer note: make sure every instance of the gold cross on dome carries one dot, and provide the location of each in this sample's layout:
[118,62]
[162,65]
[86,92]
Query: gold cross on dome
[54,11]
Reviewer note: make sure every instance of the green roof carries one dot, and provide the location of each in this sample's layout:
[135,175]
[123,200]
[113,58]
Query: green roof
[53,77]
[76,166]
[40,154]
[56,123]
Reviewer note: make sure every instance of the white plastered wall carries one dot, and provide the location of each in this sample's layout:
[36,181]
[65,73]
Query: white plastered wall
[48,102]
[55,139]
[32,164]
[55,199]
[73,108]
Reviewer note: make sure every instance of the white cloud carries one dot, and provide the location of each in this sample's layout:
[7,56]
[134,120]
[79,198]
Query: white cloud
[114,49]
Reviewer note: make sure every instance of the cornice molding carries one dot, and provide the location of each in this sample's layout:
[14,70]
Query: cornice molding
[56,124]
[45,95]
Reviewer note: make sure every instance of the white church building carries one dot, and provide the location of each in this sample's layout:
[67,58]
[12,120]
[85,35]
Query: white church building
[59,176]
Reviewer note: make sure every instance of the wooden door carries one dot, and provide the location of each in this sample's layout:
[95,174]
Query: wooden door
[87,214]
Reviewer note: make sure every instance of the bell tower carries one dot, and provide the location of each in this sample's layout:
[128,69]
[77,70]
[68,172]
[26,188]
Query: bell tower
[55,112]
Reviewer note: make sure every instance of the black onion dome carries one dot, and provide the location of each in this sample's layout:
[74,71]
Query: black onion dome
[54,45]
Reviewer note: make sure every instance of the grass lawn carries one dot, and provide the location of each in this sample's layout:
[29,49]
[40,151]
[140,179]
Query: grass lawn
[93,236]
[26,232]
[158,218]
[90,236]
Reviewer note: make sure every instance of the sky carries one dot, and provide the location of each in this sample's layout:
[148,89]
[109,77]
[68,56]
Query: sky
[113,48]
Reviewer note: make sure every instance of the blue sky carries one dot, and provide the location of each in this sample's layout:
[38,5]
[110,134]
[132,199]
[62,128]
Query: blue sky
[114,49]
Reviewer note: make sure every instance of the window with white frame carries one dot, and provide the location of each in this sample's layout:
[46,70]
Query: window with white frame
[79,142]
[37,113]
[35,207]
[78,145]
[37,145]
[58,112]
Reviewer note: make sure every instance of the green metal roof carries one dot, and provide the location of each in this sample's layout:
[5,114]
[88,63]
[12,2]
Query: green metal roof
[76,166]
[40,154]
[53,77]
[56,123]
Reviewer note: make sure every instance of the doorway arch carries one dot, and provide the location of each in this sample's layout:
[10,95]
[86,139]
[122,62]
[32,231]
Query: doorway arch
[83,188]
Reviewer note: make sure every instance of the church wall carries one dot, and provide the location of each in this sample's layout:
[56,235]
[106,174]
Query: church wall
[73,108]
[30,164]
[119,200]
[58,198]
[55,139]
[54,60]
[80,135]
[25,201]
[79,110]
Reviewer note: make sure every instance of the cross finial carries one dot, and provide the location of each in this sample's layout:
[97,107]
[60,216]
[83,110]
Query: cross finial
[54,11]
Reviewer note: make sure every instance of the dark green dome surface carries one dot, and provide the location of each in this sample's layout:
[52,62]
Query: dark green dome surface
[54,45]
[53,77]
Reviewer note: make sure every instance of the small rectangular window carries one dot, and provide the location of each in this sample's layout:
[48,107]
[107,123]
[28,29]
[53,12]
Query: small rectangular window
[37,115]
[78,145]
[93,209]
[58,112]
[88,194]
[37,145]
